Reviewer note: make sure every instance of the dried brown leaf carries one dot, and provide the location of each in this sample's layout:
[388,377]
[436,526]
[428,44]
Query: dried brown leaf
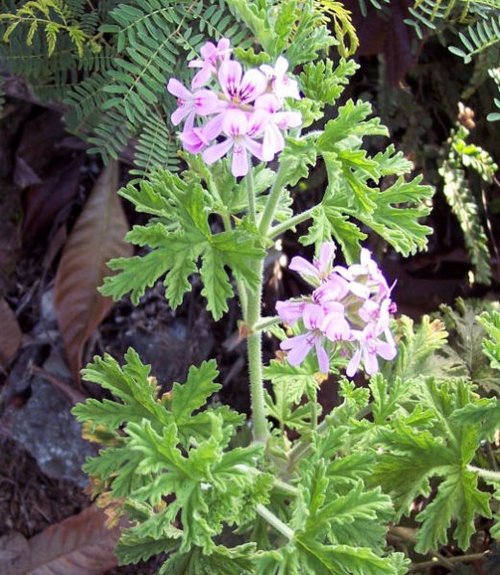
[79,545]
[10,333]
[96,238]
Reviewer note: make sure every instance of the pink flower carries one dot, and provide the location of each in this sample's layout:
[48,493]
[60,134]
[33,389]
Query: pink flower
[335,325]
[240,131]
[372,279]
[290,311]
[281,84]
[239,88]
[300,345]
[201,103]
[274,141]
[238,92]
[211,55]
[193,140]
[320,269]
[370,346]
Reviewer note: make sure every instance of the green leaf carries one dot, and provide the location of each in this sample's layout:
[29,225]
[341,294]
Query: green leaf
[295,161]
[132,548]
[222,561]
[321,82]
[341,559]
[458,499]
[351,120]
[491,345]
[178,241]
[193,394]
[397,223]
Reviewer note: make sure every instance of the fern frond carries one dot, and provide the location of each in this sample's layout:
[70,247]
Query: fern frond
[342,25]
[84,101]
[52,18]
[378,5]
[111,136]
[494,73]
[478,37]
[462,201]
[156,148]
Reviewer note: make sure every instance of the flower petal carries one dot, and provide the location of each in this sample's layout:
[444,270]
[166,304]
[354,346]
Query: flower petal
[235,123]
[254,84]
[290,311]
[272,143]
[213,127]
[298,347]
[201,78]
[205,102]
[177,89]
[353,365]
[303,267]
[323,359]
[229,75]
[313,316]
[239,165]
[214,153]
[179,114]
[254,147]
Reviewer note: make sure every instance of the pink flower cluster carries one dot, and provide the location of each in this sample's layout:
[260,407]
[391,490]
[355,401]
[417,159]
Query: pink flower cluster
[232,111]
[349,307]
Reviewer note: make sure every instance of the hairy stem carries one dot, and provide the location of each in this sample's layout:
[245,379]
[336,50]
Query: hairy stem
[266,322]
[275,522]
[272,203]
[242,292]
[254,343]
[291,223]
[251,196]
[487,474]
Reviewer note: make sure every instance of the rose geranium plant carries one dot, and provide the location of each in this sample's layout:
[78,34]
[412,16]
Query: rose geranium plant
[309,493]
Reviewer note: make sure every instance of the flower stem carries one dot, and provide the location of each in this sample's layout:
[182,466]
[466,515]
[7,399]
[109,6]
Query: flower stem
[290,223]
[242,292]
[251,196]
[487,474]
[254,346]
[275,522]
[266,322]
[272,202]
[254,342]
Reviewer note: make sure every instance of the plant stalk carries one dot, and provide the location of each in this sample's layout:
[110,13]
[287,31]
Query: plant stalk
[291,223]
[487,474]
[272,203]
[274,521]
[251,196]
[254,346]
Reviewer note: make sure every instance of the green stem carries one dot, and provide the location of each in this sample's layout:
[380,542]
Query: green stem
[487,474]
[275,522]
[254,342]
[291,223]
[264,323]
[272,202]
[254,345]
[278,484]
[251,196]
[242,292]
